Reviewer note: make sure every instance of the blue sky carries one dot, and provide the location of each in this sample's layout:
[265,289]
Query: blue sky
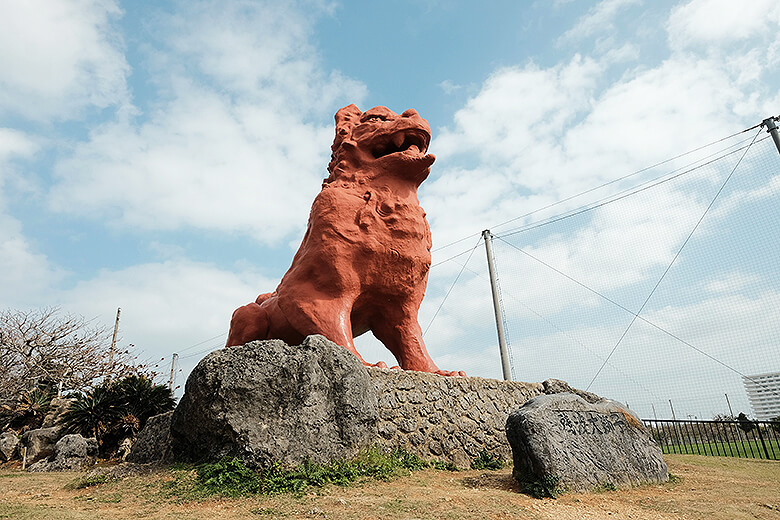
[162,157]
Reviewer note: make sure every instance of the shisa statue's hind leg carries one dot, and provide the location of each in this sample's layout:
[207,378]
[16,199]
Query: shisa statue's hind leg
[248,323]
[317,314]
[403,337]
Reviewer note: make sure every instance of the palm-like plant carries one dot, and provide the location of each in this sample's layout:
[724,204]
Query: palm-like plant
[91,414]
[140,397]
[116,409]
[29,410]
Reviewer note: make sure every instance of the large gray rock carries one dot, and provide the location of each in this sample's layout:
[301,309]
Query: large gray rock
[585,445]
[39,443]
[153,442]
[71,453]
[268,401]
[8,444]
[57,407]
[556,386]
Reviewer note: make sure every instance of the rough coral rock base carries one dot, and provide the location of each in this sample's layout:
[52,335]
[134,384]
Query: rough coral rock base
[586,445]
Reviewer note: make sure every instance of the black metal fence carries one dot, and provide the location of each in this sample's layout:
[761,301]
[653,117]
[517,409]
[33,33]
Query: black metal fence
[745,439]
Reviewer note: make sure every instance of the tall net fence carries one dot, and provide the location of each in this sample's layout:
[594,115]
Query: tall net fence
[660,289]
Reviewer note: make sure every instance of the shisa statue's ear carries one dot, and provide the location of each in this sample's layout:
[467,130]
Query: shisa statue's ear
[349,113]
[346,119]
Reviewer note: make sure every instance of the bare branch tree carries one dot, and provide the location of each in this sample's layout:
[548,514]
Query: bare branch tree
[45,347]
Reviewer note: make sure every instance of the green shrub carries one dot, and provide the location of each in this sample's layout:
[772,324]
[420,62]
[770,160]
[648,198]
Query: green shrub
[28,411]
[87,482]
[604,487]
[91,414]
[409,461]
[230,477]
[546,487]
[444,465]
[116,409]
[487,460]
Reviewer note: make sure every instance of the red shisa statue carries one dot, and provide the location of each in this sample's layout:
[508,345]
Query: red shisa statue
[364,260]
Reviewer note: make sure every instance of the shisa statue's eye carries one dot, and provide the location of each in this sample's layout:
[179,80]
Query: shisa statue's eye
[373,118]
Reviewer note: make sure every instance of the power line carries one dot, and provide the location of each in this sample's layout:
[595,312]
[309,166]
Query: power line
[657,181]
[632,174]
[553,325]
[201,343]
[451,287]
[454,256]
[652,183]
[626,309]
[676,256]
[209,349]
[604,185]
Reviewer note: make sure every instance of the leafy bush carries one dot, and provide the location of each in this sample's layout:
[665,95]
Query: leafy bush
[91,414]
[487,460]
[29,410]
[140,397]
[546,487]
[745,424]
[87,482]
[604,487]
[444,465]
[230,477]
[775,423]
[116,409]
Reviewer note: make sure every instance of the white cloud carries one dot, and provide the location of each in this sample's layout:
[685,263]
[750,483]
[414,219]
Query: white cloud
[25,276]
[59,57]
[721,22]
[166,307]
[731,283]
[202,163]
[516,104]
[600,18]
[449,87]
[243,156]
[15,144]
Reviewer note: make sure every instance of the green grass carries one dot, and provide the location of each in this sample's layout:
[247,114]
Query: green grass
[546,487]
[746,450]
[487,460]
[231,478]
[87,482]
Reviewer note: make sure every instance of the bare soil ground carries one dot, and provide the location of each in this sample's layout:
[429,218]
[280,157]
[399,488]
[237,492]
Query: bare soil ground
[705,487]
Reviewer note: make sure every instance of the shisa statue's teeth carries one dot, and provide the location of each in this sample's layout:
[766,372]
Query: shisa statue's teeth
[414,148]
[398,139]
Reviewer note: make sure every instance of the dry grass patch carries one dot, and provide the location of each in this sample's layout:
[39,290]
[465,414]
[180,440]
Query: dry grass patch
[706,487]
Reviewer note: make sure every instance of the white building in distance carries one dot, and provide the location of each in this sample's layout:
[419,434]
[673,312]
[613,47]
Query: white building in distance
[763,391]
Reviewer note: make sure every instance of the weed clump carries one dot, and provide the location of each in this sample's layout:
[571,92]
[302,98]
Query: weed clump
[88,482]
[231,478]
[546,487]
[487,460]
[605,487]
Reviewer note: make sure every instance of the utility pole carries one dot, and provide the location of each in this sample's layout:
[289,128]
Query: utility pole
[731,412]
[173,371]
[672,407]
[771,128]
[113,341]
[497,306]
